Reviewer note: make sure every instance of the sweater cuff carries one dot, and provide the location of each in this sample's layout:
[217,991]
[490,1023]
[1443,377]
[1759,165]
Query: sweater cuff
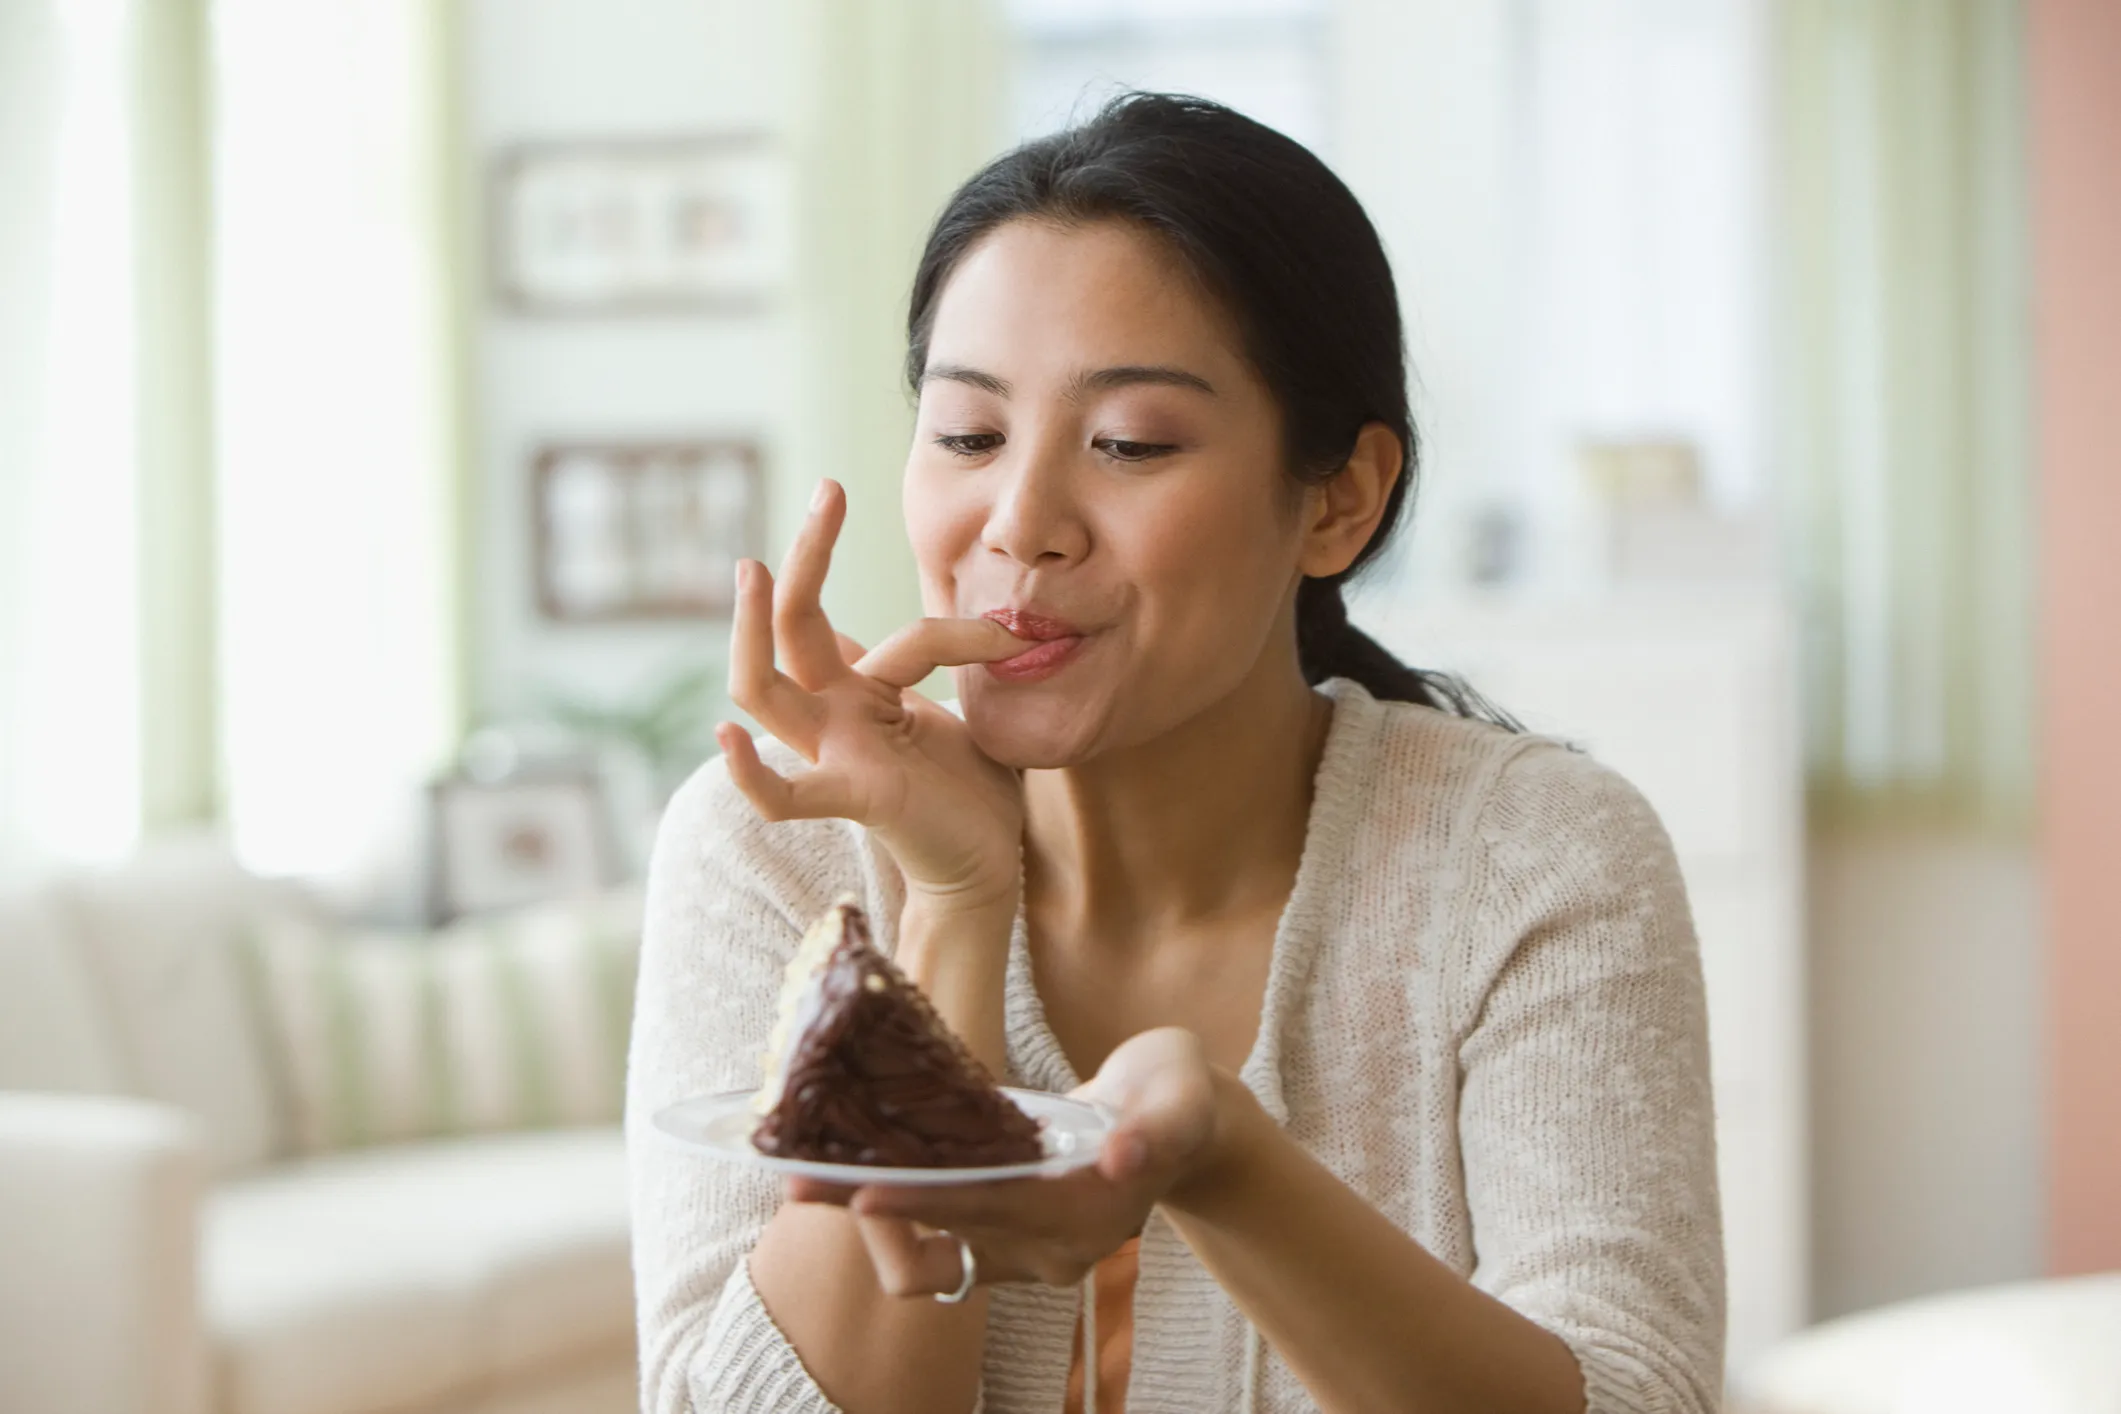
[744,1362]
[1610,1385]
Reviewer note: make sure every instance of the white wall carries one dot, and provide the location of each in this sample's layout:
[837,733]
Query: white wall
[574,69]
[1422,133]
[1926,989]
[1570,191]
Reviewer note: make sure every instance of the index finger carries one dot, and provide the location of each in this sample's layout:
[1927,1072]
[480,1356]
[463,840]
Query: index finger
[802,632]
[921,647]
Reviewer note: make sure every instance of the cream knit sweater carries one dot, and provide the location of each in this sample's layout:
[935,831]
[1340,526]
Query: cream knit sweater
[1484,1014]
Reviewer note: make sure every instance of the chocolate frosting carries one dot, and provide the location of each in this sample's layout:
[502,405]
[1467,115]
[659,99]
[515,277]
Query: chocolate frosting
[878,1078]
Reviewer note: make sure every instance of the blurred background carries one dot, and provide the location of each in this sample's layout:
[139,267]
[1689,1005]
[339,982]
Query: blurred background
[387,388]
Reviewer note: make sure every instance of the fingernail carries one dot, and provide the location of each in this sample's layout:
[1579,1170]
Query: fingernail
[743,568]
[817,497]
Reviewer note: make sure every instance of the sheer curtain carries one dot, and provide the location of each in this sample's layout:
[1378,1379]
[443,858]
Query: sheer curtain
[340,443]
[230,445]
[1904,349]
[70,675]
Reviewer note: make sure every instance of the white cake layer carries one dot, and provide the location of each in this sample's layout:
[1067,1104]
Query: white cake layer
[798,1004]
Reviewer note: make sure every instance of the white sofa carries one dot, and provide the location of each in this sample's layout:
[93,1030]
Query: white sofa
[165,1248]
[2037,1347]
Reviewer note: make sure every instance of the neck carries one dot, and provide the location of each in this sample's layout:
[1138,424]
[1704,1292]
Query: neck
[1204,821]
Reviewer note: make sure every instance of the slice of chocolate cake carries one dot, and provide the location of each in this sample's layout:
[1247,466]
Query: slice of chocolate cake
[861,1070]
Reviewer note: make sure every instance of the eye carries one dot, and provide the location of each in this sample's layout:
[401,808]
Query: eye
[1122,450]
[969,444]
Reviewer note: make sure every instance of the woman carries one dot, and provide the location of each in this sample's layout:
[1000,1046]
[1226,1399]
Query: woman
[1400,1009]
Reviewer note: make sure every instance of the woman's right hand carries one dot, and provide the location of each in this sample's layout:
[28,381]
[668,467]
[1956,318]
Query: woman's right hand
[880,753]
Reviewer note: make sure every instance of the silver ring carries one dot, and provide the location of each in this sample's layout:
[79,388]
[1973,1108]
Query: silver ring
[964,1286]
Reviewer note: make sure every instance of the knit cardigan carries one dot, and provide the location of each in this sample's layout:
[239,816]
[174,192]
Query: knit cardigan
[1484,1014]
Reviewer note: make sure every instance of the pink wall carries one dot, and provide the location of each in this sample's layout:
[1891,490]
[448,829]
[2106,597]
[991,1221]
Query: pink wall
[2075,73]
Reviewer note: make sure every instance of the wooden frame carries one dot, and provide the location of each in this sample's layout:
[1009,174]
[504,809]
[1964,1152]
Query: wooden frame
[543,835]
[644,530]
[681,225]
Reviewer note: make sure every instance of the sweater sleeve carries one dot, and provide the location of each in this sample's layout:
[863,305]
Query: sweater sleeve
[1586,1122]
[727,897]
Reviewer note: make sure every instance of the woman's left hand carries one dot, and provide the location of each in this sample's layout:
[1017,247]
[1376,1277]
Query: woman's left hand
[1052,1230]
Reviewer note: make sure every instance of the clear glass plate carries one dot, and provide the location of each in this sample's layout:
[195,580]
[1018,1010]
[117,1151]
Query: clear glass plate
[719,1127]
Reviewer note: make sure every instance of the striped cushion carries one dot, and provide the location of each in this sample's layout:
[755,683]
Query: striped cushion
[511,1021]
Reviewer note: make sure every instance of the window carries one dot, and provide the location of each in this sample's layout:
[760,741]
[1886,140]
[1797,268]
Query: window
[1266,58]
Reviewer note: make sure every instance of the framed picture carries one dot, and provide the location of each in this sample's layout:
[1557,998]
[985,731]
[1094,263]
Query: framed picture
[640,227]
[644,530]
[518,841]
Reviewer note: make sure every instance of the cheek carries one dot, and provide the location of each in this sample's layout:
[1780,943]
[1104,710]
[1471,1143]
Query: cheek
[940,527]
[1215,560]
[1209,572]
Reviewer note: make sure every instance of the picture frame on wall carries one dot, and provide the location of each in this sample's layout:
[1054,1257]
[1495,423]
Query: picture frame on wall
[681,225]
[644,530]
[522,840]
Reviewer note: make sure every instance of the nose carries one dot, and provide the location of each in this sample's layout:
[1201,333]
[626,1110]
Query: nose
[1035,519]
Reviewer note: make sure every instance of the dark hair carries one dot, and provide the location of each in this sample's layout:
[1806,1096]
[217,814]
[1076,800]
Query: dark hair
[1271,232]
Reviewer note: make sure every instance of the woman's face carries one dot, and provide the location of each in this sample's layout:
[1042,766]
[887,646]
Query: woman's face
[1097,466]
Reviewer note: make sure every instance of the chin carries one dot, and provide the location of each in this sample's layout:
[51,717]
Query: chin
[1029,729]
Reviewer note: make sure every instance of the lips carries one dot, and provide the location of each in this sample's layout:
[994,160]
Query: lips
[1037,627]
[1054,643]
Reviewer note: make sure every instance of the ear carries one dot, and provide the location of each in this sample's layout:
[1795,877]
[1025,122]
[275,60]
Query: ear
[1342,511]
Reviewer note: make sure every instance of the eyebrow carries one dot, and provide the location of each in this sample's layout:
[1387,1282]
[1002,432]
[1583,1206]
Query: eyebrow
[1135,374]
[1102,380]
[958,373]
